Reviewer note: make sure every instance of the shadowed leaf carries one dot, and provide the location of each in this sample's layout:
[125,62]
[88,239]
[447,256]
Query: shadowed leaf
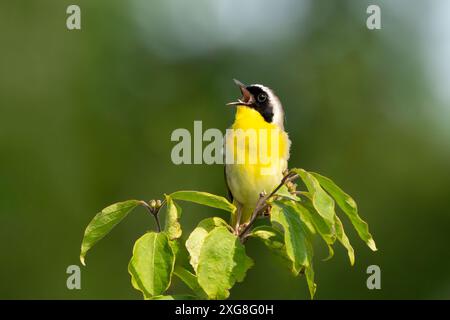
[190,280]
[272,238]
[309,214]
[295,239]
[322,202]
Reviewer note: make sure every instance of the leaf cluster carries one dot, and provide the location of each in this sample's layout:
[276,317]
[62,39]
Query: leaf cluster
[214,258]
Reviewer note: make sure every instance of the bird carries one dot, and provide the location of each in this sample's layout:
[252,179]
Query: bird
[258,126]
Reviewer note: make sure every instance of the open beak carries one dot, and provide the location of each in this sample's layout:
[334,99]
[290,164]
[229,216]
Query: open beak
[246,99]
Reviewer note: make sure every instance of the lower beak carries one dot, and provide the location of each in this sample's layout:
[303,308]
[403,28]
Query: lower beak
[247,97]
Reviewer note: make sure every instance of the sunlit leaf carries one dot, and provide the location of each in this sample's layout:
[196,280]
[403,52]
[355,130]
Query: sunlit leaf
[195,241]
[173,214]
[348,205]
[204,198]
[222,262]
[322,202]
[343,239]
[306,220]
[152,264]
[309,273]
[103,223]
[284,192]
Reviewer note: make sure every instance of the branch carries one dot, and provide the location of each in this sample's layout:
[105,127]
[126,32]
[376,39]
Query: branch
[154,208]
[261,204]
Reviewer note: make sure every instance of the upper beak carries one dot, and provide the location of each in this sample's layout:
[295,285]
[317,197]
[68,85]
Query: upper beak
[247,97]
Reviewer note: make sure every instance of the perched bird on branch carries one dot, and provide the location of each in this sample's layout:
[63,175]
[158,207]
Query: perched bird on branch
[256,149]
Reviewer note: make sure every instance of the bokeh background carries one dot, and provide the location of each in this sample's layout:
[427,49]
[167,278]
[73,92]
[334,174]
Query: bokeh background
[86,118]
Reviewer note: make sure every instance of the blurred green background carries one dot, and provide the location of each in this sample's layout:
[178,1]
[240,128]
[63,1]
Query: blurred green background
[86,118]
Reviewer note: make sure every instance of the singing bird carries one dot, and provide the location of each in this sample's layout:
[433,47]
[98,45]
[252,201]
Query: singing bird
[260,114]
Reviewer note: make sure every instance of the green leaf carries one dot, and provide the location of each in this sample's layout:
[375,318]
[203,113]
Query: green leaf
[173,214]
[196,238]
[103,223]
[204,198]
[348,205]
[176,248]
[174,297]
[272,238]
[190,280]
[309,273]
[322,202]
[222,262]
[309,269]
[284,192]
[309,214]
[295,233]
[152,264]
[183,269]
[343,239]
[305,219]
[181,254]
[297,238]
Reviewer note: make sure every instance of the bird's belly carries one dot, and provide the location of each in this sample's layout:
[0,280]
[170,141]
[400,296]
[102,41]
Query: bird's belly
[247,181]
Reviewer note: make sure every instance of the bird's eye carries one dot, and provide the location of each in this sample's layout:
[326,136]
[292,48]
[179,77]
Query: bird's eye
[262,97]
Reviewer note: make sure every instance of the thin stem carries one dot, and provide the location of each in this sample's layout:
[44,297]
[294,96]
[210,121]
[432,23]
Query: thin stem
[154,213]
[261,205]
[289,177]
[158,225]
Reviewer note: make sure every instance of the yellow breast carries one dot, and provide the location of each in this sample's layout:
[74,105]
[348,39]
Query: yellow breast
[265,158]
[249,124]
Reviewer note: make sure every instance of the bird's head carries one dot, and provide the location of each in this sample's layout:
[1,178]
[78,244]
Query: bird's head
[263,100]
